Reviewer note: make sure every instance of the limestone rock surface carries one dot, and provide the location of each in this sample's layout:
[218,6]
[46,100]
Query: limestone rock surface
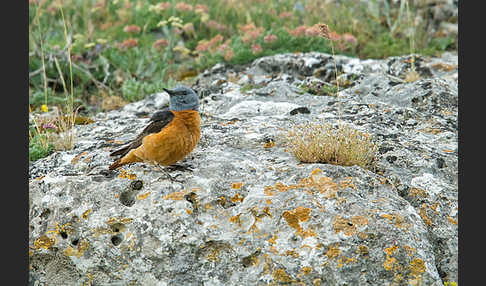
[248,212]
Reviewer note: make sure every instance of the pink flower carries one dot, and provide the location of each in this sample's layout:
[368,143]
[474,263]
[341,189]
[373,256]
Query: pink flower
[334,36]
[313,31]
[299,31]
[188,28]
[181,6]
[285,15]
[252,35]
[129,43]
[160,43]
[131,29]
[350,39]
[201,8]
[163,6]
[247,27]
[205,45]
[270,38]
[202,46]
[229,54]
[215,25]
[256,48]
[49,126]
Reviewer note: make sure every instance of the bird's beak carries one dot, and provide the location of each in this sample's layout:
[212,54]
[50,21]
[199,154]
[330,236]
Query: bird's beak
[168,91]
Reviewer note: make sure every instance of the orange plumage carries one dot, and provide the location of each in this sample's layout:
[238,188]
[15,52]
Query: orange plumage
[171,136]
[174,142]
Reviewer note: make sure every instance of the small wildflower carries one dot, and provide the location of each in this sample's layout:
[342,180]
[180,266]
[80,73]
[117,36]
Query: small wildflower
[129,43]
[162,23]
[229,54]
[49,126]
[204,17]
[251,36]
[101,41]
[205,45]
[173,19]
[201,8]
[160,43]
[159,8]
[177,24]
[44,108]
[216,40]
[189,28]
[181,49]
[215,25]
[248,27]
[313,31]
[131,29]
[183,7]
[89,45]
[202,46]
[224,46]
[298,31]
[256,48]
[348,38]
[105,26]
[285,15]
[269,38]
[333,36]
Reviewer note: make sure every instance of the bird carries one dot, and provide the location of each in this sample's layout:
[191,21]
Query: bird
[170,136]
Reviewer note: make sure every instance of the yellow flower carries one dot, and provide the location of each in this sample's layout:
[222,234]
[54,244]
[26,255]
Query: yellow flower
[101,41]
[177,24]
[204,17]
[162,23]
[44,108]
[175,19]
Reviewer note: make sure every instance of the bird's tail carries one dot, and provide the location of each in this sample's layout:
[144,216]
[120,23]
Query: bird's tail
[123,151]
[131,157]
[115,164]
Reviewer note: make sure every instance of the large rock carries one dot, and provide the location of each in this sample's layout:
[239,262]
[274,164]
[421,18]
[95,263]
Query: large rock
[249,213]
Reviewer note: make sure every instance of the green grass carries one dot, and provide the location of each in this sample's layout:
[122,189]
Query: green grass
[38,147]
[108,59]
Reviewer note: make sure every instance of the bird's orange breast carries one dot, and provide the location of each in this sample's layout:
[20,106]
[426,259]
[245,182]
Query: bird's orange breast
[174,141]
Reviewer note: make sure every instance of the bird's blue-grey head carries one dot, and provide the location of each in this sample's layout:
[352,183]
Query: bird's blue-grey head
[183,98]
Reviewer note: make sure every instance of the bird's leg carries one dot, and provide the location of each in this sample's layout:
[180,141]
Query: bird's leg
[172,179]
[181,167]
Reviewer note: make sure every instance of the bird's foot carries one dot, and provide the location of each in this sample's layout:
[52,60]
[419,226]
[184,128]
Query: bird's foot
[180,168]
[171,178]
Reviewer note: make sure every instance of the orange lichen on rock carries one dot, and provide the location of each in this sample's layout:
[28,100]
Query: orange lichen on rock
[236,186]
[416,192]
[269,191]
[423,215]
[348,226]
[175,196]
[281,276]
[237,198]
[389,260]
[333,251]
[347,183]
[293,217]
[235,219]
[143,196]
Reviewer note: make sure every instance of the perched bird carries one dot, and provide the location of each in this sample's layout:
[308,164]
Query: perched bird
[171,135]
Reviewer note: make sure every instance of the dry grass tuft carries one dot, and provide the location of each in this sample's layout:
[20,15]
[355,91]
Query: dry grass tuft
[320,142]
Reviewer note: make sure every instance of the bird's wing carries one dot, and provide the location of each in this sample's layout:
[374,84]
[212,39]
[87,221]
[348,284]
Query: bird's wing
[158,121]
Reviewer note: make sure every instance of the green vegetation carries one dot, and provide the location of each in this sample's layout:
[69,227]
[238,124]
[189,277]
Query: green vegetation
[83,52]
